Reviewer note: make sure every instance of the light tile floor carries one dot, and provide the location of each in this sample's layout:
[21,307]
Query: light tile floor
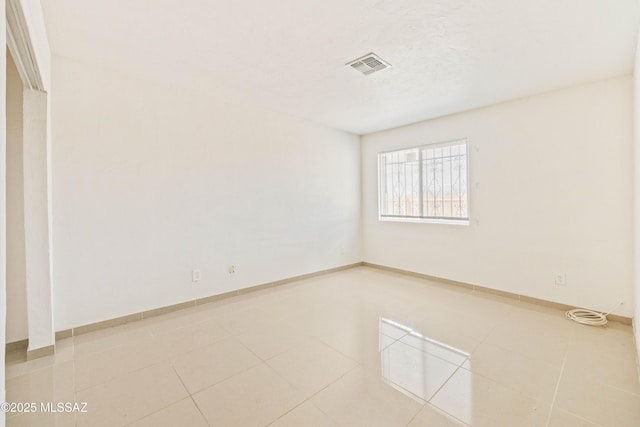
[361,347]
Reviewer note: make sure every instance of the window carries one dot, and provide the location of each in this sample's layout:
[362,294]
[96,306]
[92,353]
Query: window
[426,183]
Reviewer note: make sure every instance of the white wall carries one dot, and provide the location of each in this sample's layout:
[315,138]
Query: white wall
[551,185]
[3,208]
[37,241]
[636,195]
[151,180]
[16,267]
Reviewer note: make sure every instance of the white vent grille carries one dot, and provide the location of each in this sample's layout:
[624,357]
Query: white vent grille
[369,64]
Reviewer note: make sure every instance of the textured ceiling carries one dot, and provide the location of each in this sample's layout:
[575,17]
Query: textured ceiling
[289,55]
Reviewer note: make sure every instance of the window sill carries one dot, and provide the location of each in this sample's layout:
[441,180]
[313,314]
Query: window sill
[427,220]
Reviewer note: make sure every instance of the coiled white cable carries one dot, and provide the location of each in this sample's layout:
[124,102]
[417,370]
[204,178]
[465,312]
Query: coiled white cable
[589,317]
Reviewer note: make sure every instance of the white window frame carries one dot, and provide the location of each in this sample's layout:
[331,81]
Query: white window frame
[426,219]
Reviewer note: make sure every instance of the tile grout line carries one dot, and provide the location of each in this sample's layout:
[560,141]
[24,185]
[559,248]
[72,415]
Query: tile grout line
[165,407]
[438,391]
[458,367]
[246,347]
[335,349]
[290,410]
[199,410]
[509,386]
[395,340]
[555,393]
[75,391]
[421,408]
[320,409]
[581,418]
[308,399]
[437,356]
[162,409]
[190,395]
[242,371]
[305,400]
[621,390]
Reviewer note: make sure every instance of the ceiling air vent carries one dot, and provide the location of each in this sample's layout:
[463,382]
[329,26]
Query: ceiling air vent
[369,64]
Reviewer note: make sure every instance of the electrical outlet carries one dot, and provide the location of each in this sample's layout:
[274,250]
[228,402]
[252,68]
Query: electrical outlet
[196,275]
[561,279]
[232,269]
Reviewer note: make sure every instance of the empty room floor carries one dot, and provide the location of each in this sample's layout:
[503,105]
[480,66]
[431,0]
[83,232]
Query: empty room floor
[360,347]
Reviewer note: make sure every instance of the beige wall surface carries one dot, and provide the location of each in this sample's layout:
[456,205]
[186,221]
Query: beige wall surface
[152,180]
[550,192]
[16,267]
[636,194]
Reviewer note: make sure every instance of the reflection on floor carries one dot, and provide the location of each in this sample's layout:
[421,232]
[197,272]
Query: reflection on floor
[360,347]
[415,364]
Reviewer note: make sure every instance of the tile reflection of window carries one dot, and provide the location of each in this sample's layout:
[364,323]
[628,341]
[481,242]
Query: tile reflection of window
[413,363]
